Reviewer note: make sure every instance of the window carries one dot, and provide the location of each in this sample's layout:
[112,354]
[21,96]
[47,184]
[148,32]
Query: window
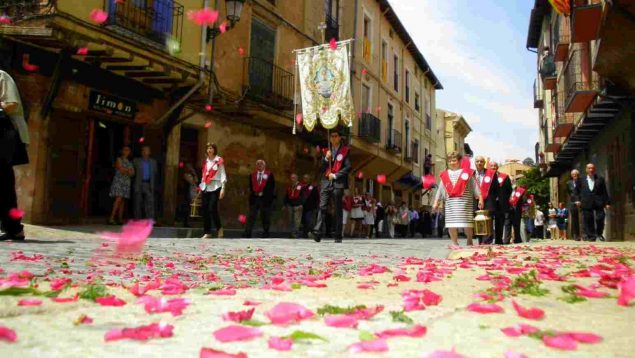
[417,100]
[415,151]
[390,125]
[384,60]
[428,115]
[407,86]
[367,38]
[395,75]
[407,135]
[366,104]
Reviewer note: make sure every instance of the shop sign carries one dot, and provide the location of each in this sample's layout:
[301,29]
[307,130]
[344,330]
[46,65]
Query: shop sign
[109,104]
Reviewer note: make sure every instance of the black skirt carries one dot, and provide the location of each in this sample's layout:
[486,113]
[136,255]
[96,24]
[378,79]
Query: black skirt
[12,150]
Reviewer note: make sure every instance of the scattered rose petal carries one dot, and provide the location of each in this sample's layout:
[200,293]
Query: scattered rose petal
[529,313]
[110,301]
[132,237]
[519,330]
[627,291]
[7,334]
[515,355]
[367,313]
[280,344]
[251,303]
[223,292]
[414,331]
[341,321]
[175,306]
[83,319]
[237,333]
[582,337]
[65,299]
[173,286]
[141,333]
[378,345]
[445,354]
[239,316]
[98,16]
[563,342]
[213,353]
[285,313]
[29,302]
[60,283]
[485,308]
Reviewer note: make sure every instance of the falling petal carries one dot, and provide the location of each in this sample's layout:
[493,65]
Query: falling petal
[242,219]
[298,119]
[28,66]
[333,44]
[223,27]
[98,16]
[5,20]
[241,51]
[364,72]
[16,214]
[236,333]
[208,108]
[360,175]
[203,17]
[428,181]
[208,124]
[381,179]
[132,237]
[82,51]
[142,139]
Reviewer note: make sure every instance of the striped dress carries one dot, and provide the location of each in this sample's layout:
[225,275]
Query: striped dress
[459,212]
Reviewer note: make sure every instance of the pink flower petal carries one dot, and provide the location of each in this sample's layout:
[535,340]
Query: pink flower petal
[280,344]
[110,301]
[627,291]
[519,330]
[174,306]
[414,331]
[5,20]
[582,337]
[173,286]
[367,313]
[223,27]
[445,354]
[223,292]
[298,119]
[239,316]
[485,308]
[286,313]
[29,302]
[378,345]
[203,17]
[82,51]
[529,313]
[65,299]
[16,214]
[7,334]
[333,44]
[213,353]
[341,321]
[563,342]
[142,333]
[83,319]
[515,355]
[237,333]
[251,303]
[132,237]
[59,283]
[98,16]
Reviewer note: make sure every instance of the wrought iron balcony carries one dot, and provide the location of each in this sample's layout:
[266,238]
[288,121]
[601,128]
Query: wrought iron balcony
[332,30]
[561,37]
[548,72]
[158,20]
[18,10]
[394,141]
[370,128]
[265,82]
[580,86]
[586,17]
[538,95]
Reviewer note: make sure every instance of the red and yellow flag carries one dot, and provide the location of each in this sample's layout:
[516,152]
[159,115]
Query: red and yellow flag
[562,7]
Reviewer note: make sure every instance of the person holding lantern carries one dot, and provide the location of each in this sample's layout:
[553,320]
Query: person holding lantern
[457,189]
[516,202]
[212,187]
[335,168]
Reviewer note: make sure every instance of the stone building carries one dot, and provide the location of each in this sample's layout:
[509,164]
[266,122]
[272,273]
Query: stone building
[149,76]
[584,95]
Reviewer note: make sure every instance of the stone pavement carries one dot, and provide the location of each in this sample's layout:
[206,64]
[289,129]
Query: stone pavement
[357,272]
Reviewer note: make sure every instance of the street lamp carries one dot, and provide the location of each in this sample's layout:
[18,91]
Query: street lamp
[234,9]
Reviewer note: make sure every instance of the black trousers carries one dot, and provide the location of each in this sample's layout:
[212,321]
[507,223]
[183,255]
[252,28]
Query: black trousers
[327,193]
[8,200]
[499,226]
[210,211]
[575,221]
[308,221]
[512,220]
[593,222]
[259,205]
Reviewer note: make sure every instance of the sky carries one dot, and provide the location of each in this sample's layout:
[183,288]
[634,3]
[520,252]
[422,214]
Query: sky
[477,50]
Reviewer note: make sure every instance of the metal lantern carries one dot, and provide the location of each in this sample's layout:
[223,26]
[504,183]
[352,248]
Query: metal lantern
[482,223]
[195,206]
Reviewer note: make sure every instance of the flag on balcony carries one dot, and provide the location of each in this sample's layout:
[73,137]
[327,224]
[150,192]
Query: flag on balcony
[325,86]
[562,7]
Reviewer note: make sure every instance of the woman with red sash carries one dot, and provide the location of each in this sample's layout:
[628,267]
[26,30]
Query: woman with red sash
[212,187]
[458,190]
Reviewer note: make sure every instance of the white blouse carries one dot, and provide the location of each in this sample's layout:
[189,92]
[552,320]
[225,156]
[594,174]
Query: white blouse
[218,181]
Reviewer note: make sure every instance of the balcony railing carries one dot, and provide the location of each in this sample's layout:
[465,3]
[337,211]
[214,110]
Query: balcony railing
[268,83]
[561,37]
[563,122]
[370,128]
[158,20]
[394,140]
[413,154]
[18,10]
[548,72]
[538,95]
[332,30]
[580,86]
[586,18]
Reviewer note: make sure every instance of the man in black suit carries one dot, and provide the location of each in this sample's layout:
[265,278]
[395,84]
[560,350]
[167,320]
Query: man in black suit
[502,205]
[594,198]
[488,183]
[335,168]
[573,187]
[262,188]
[516,201]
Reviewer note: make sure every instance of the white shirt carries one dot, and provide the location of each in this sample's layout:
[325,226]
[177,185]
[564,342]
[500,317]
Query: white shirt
[218,181]
[539,220]
[591,181]
[9,94]
[259,177]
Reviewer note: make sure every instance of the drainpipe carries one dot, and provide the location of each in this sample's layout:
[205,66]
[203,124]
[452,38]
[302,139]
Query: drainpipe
[201,79]
[211,61]
[353,65]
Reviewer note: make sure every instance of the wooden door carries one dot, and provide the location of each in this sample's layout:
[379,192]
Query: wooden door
[66,167]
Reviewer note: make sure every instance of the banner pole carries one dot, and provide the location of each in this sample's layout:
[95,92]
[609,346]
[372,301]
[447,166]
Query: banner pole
[295,93]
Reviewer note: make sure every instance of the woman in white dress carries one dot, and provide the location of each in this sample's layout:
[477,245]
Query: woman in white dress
[369,214]
[213,181]
[357,213]
[459,207]
[553,222]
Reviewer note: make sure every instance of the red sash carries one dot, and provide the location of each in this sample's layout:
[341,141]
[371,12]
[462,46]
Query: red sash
[531,201]
[294,191]
[208,175]
[309,190]
[339,160]
[516,195]
[487,183]
[502,177]
[357,202]
[348,203]
[457,190]
[259,188]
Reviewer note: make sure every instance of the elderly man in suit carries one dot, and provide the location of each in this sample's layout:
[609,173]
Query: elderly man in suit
[573,187]
[594,198]
[262,189]
[145,183]
[488,182]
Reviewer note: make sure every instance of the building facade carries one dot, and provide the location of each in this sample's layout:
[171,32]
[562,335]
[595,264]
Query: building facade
[149,76]
[514,168]
[584,95]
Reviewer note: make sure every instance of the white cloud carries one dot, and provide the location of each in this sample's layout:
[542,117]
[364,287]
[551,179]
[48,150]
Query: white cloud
[496,149]
[515,113]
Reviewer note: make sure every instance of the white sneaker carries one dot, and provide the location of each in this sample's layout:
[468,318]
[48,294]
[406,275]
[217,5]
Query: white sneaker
[206,236]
